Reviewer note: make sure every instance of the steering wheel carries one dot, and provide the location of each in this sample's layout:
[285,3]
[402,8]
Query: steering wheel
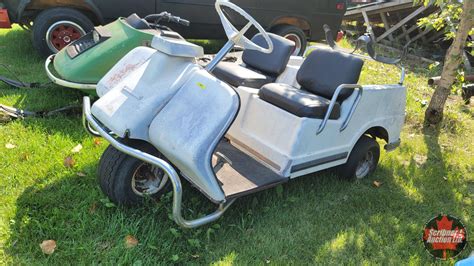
[238,37]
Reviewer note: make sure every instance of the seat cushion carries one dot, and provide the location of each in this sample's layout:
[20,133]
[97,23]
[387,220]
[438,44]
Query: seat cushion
[273,63]
[237,75]
[298,102]
[324,70]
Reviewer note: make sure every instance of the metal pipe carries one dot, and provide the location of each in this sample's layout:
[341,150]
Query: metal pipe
[65,83]
[402,76]
[167,168]
[220,55]
[434,81]
[352,111]
[333,103]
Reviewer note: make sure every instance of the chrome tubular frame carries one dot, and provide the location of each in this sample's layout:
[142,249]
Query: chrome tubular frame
[167,168]
[65,83]
[322,126]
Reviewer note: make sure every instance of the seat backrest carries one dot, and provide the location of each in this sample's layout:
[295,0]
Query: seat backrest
[324,70]
[273,63]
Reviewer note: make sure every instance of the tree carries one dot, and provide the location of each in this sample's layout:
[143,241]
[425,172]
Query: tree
[459,31]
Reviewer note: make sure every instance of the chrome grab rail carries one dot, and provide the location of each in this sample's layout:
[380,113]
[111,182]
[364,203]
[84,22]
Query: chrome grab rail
[322,126]
[65,83]
[167,168]
[402,75]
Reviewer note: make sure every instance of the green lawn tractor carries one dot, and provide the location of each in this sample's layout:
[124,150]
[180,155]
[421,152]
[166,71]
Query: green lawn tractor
[82,63]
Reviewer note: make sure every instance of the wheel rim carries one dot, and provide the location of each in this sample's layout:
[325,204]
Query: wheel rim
[62,33]
[297,40]
[148,180]
[365,165]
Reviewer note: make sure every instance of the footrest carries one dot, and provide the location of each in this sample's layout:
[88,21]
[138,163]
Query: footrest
[240,174]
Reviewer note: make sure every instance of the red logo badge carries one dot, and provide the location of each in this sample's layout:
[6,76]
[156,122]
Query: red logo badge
[445,236]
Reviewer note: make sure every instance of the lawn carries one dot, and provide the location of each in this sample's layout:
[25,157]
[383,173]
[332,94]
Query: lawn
[315,219]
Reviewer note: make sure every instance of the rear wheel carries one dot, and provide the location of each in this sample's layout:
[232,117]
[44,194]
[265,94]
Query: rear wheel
[55,28]
[127,180]
[294,34]
[362,161]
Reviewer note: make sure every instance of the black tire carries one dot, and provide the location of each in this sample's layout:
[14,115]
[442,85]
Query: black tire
[116,172]
[295,34]
[360,153]
[47,18]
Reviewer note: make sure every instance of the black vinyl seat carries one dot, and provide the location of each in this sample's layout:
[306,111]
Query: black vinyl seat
[137,22]
[298,102]
[260,68]
[319,76]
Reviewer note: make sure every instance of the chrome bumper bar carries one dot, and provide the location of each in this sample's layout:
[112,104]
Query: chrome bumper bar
[92,123]
[65,83]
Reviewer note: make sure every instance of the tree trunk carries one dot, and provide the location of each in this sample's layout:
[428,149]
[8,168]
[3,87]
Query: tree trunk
[434,113]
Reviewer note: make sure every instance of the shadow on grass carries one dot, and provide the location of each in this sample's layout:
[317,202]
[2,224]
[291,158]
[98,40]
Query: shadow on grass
[318,218]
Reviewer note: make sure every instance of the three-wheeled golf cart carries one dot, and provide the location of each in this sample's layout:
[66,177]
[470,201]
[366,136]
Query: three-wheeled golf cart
[232,130]
[82,63]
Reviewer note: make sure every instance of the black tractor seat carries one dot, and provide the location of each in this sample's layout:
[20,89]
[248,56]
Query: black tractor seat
[260,68]
[137,22]
[319,76]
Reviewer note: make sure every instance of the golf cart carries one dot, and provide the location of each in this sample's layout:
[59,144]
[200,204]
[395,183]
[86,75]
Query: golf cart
[82,63]
[232,130]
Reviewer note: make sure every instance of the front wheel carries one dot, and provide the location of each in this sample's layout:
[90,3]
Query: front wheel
[55,28]
[127,180]
[362,161]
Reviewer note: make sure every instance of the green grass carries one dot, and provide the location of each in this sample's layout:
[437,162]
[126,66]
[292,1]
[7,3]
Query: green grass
[315,219]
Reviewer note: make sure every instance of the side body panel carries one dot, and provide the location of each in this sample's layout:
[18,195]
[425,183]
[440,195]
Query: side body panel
[289,144]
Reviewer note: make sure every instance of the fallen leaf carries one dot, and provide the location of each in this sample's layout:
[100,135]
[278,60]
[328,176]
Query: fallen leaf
[10,146]
[130,241]
[48,246]
[175,258]
[93,207]
[77,149]
[97,141]
[81,174]
[24,156]
[69,162]
[104,245]
[377,184]
[420,159]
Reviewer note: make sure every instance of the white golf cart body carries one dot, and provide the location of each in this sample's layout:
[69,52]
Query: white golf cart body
[226,140]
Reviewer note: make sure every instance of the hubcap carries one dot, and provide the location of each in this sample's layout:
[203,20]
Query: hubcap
[364,165]
[148,180]
[298,42]
[62,33]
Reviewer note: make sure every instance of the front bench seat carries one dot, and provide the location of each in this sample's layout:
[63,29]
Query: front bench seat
[319,76]
[260,68]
